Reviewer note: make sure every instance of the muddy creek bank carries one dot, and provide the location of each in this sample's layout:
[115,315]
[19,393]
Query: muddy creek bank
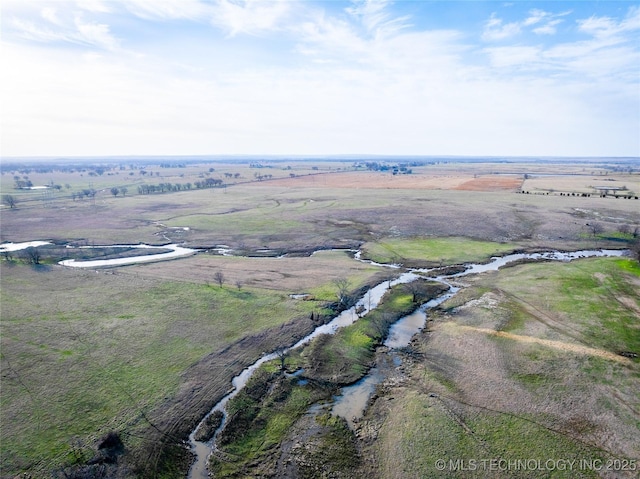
[399,335]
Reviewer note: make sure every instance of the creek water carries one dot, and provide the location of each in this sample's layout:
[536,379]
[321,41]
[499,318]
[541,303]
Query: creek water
[20,246]
[351,404]
[176,252]
[353,399]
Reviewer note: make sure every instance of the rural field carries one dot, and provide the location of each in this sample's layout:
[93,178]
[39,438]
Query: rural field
[106,371]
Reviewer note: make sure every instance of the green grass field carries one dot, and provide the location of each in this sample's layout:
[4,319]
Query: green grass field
[443,251]
[477,397]
[88,352]
[85,352]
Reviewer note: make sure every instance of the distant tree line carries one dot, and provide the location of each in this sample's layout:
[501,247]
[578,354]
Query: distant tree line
[115,190]
[396,169]
[22,183]
[629,196]
[168,187]
[87,192]
[30,255]
[262,177]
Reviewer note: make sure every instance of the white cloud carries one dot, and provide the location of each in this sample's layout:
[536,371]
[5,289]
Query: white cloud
[545,23]
[50,15]
[328,38]
[606,27]
[376,19]
[360,80]
[548,29]
[96,6]
[167,9]
[520,56]
[370,37]
[495,30]
[251,17]
[535,16]
[79,31]
[94,33]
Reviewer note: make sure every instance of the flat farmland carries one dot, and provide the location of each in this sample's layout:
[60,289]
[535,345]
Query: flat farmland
[145,350]
[263,215]
[418,181]
[297,275]
[628,184]
[87,351]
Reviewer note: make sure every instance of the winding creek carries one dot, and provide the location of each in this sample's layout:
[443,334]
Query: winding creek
[176,252]
[353,399]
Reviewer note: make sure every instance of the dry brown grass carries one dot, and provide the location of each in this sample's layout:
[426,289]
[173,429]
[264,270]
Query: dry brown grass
[492,183]
[490,377]
[581,183]
[341,209]
[420,181]
[294,275]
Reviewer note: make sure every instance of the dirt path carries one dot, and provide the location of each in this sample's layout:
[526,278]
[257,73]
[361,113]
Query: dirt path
[559,345]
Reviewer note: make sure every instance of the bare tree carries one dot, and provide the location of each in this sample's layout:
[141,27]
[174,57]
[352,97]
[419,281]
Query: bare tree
[239,283]
[624,229]
[414,288]
[9,200]
[218,276]
[343,289]
[595,228]
[282,353]
[32,255]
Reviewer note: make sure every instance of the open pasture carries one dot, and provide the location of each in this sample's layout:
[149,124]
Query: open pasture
[435,251]
[418,181]
[627,183]
[145,350]
[293,275]
[524,364]
[306,205]
[84,352]
[67,179]
[261,216]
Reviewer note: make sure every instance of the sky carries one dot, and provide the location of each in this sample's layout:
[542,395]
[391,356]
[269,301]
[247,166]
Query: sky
[363,77]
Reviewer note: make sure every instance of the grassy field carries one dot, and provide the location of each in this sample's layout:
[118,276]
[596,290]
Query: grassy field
[145,350]
[436,251]
[552,388]
[119,343]
[326,206]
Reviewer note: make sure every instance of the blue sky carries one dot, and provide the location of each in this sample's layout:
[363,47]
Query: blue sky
[187,77]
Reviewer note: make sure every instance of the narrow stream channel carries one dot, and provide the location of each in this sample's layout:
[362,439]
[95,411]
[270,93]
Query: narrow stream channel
[176,252]
[353,399]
